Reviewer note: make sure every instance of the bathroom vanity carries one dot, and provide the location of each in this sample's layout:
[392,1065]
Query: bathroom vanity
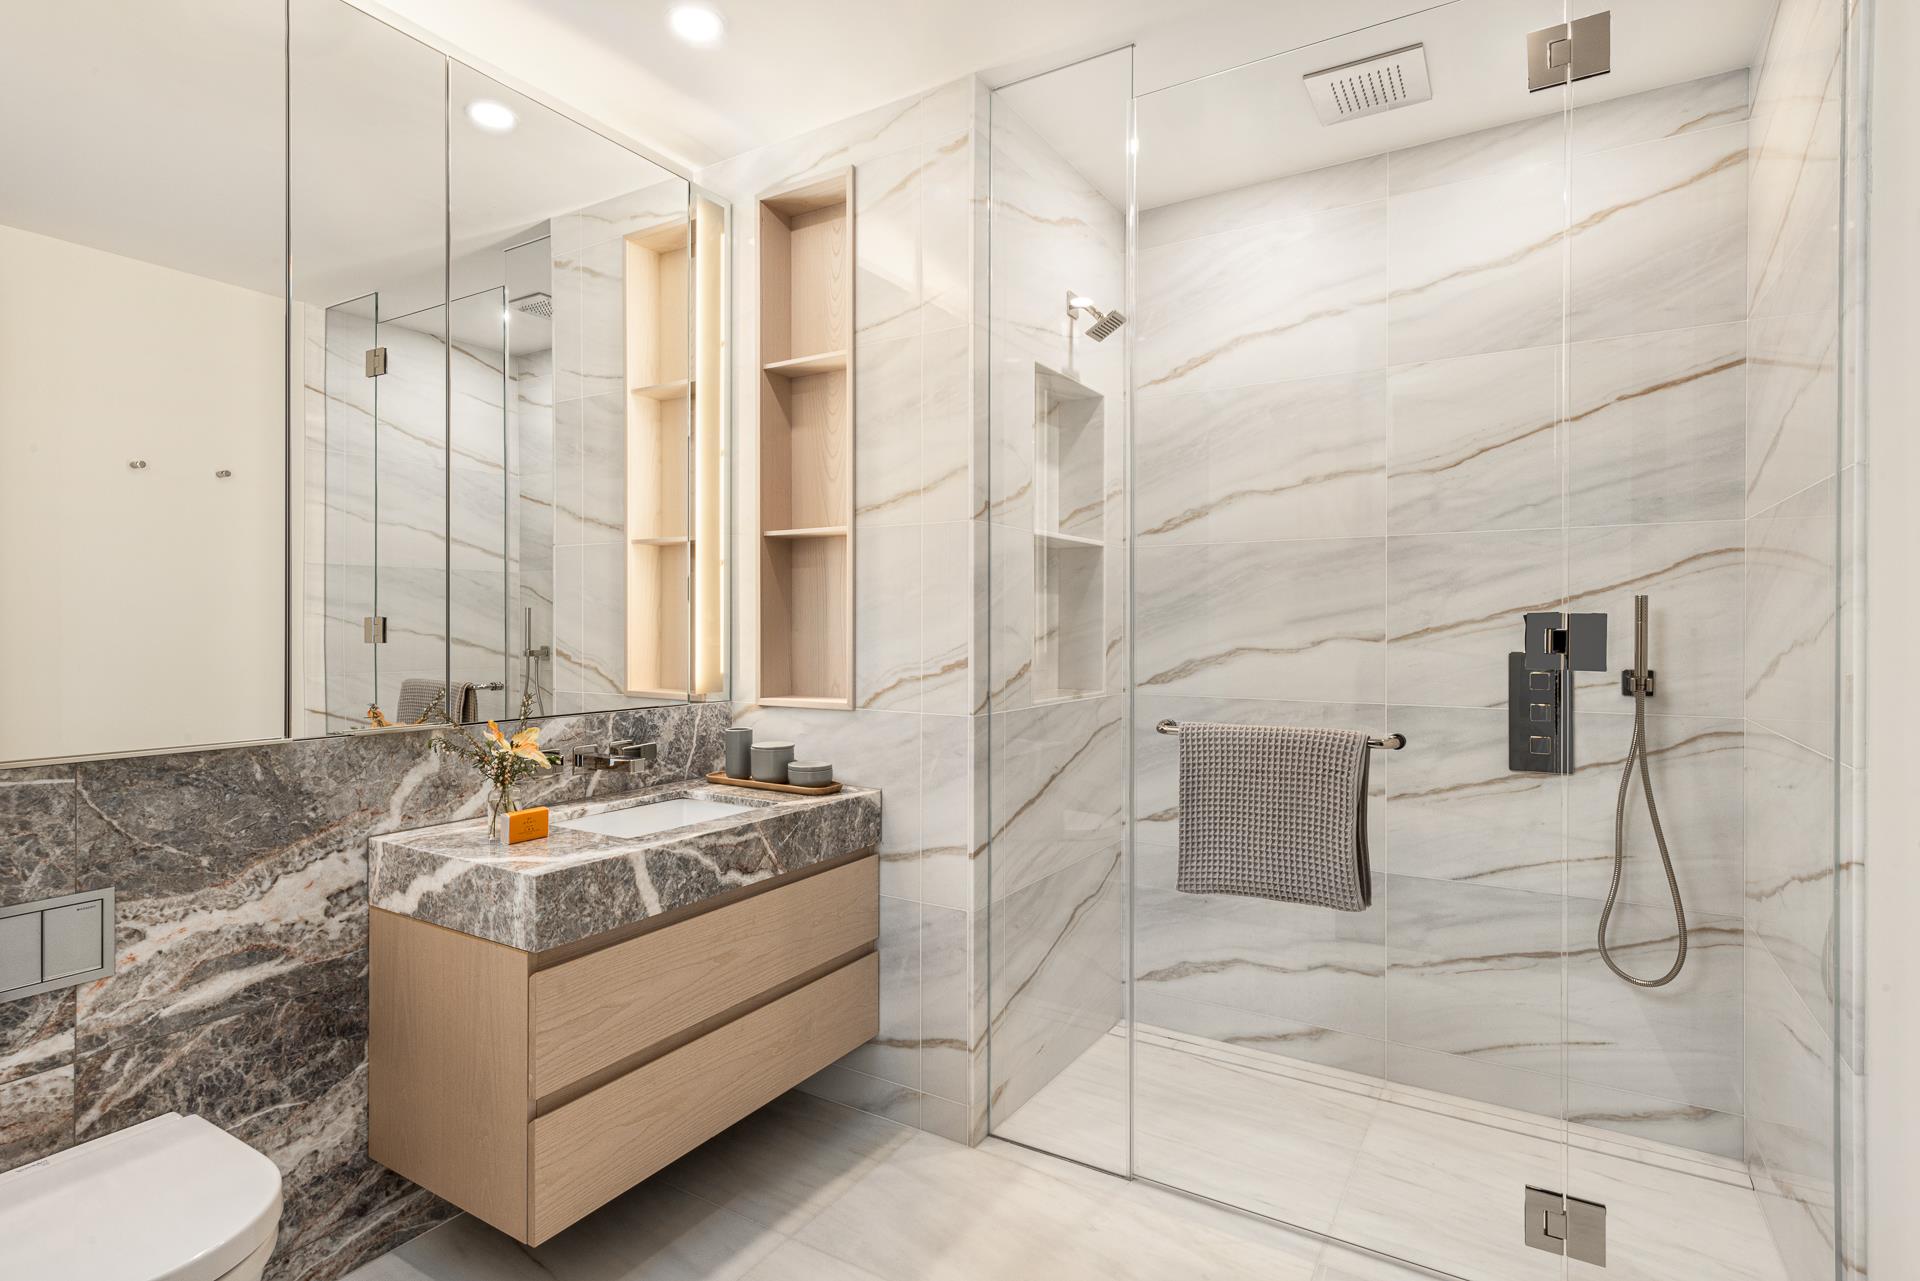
[552,1023]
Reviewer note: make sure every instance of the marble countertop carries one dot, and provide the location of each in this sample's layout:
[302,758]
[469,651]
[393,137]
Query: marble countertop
[574,884]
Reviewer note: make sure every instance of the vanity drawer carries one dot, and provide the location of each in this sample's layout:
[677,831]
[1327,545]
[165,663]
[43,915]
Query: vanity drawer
[590,1013]
[589,1151]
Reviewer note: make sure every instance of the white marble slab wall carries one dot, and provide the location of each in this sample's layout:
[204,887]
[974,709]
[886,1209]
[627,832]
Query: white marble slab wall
[1803,470]
[531,444]
[912,732]
[1054,874]
[1383,410]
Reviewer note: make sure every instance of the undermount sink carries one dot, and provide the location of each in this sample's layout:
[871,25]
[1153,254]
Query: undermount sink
[661,816]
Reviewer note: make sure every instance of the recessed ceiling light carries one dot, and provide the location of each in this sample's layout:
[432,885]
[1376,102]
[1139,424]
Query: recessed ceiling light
[496,117]
[696,24]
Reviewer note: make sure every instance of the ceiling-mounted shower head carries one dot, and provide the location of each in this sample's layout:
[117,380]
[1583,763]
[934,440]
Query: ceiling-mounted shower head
[1104,322]
[534,304]
[1384,82]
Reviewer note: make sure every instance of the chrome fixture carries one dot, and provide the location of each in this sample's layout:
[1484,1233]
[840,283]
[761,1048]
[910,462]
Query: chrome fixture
[533,304]
[1540,688]
[376,362]
[1637,682]
[1369,86]
[1391,743]
[532,698]
[1566,1225]
[1569,51]
[625,755]
[1104,322]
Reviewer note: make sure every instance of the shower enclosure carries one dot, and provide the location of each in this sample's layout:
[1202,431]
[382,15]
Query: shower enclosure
[1388,385]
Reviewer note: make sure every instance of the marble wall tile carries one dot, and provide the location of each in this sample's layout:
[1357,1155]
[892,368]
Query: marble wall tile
[1475,970]
[1790,865]
[1656,427]
[1477,265]
[1476,443]
[1280,960]
[1643,1116]
[36,1116]
[36,833]
[887,480]
[1536,144]
[1790,1118]
[1057,974]
[1667,112]
[1056,796]
[887,604]
[886,284]
[947,604]
[894,1054]
[946,425]
[1693,576]
[1256,1030]
[1791,617]
[952,756]
[36,1035]
[1699,779]
[1682,1042]
[1267,461]
[1793,436]
[1356,182]
[1278,301]
[946,1004]
[1456,812]
[1797,144]
[1449,632]
[1211,624]
[1658,234]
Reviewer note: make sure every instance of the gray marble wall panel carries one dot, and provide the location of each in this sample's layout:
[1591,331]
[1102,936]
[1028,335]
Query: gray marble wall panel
[241,985]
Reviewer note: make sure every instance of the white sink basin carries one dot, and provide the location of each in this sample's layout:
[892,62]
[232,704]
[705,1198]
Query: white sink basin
[661,816]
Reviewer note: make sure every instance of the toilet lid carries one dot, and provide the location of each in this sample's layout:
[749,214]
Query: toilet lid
[171,1199]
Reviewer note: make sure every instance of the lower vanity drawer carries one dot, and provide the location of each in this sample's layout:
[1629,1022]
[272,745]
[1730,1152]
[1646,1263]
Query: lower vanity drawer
[590,1013]
[590,1150]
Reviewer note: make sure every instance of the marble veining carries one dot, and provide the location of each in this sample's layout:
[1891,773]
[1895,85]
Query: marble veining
[573,884]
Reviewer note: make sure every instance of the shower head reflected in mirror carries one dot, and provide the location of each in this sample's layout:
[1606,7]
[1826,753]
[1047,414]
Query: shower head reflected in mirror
[1104,322]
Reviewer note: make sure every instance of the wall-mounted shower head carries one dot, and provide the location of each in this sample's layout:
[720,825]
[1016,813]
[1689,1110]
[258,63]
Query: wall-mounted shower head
[1104,322]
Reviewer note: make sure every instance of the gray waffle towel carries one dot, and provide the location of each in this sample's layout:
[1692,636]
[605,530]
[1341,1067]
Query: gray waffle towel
[417,695]
[1275,811]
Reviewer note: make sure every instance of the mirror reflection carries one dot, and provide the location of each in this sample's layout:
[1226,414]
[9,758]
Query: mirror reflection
[376,391]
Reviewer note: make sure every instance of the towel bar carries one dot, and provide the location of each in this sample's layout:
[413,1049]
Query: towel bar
[1392,742]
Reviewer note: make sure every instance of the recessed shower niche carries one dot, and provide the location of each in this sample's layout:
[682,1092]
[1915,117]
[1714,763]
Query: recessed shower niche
[1069,549]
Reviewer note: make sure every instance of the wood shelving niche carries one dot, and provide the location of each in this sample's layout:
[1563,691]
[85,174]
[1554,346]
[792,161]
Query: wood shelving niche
[806,444]
[675,632]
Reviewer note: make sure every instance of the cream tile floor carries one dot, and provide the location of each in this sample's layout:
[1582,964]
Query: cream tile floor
[807,1190]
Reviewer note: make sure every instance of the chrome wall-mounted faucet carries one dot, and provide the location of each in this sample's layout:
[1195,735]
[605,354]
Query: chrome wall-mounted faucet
[625,755]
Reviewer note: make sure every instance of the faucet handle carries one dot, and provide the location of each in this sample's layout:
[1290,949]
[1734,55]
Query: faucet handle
[629,750]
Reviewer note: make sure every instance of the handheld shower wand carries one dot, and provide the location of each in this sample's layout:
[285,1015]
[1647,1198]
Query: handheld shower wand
[1641,681]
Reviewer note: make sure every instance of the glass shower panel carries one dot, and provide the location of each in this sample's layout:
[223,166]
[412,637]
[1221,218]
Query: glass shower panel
[410,513]
[1346,498]
[483,547]
[346,455]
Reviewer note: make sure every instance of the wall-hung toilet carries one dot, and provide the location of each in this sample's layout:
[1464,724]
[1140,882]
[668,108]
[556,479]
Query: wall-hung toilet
[171,1199]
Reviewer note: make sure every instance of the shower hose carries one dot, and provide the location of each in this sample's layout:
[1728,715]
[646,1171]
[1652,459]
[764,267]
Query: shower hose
[1637,758]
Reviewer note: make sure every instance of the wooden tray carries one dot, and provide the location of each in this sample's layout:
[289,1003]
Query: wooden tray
[827,790]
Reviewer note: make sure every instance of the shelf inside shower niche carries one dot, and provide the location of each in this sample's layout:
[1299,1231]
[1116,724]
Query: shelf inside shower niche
[1069,547]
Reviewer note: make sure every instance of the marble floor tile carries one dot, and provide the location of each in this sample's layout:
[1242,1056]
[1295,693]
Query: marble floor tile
[792,1261]
[653,1233]
[787,1162]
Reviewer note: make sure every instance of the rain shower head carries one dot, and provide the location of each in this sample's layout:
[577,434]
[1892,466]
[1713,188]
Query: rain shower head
[535,304]
[1384,82]
[1104,322]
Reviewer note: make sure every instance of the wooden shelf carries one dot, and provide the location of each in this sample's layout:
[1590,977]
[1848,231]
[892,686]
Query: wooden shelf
[665,391]
[663,540]
[819,531]
[806,444]
[800,366]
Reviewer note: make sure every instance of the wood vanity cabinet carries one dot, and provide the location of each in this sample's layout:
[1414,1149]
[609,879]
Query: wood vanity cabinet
[530,1088]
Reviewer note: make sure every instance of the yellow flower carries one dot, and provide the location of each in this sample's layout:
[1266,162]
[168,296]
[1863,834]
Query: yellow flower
[527,744]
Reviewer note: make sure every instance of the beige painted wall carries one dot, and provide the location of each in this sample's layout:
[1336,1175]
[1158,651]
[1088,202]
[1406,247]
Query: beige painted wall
[138,609]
